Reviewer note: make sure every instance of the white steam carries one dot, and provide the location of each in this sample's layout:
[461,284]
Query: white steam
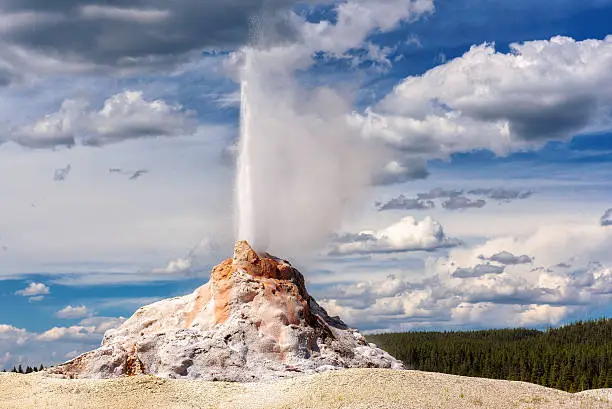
[244,182]
[301,162]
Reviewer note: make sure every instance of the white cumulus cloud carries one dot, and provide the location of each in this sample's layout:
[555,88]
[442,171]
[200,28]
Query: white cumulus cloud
[76,332]
[73,312]
[10,333]
[102,324]
[406,235]
[540,91]
[34,290]
[127,115]
[490,282]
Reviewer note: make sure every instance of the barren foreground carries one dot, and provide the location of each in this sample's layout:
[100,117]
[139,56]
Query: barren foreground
[355,388]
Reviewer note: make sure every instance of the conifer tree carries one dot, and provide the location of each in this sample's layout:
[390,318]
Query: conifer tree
[573,358]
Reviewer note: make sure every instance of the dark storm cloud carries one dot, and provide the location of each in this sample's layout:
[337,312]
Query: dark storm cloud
[131,32]
[404,203]
[462,202]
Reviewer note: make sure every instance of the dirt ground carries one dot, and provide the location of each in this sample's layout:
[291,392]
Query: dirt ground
[356,388]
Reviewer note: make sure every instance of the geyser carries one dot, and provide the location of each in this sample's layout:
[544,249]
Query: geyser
[304,159]
[244,188]
[300,164]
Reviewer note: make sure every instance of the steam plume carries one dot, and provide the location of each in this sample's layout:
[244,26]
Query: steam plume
[301,164]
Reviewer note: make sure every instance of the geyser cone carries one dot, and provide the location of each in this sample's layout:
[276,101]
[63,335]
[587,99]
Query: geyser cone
[253,320]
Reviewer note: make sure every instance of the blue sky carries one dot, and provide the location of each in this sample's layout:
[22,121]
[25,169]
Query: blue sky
[530,128]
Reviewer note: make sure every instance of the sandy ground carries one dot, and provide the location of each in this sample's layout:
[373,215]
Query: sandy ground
[357,388]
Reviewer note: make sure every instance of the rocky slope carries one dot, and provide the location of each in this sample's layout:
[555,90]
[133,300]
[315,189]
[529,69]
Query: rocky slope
[254,320]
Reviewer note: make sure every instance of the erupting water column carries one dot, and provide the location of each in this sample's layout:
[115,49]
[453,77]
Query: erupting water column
[244,182]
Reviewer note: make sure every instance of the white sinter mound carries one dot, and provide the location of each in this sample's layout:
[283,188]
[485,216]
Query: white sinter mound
[254,320]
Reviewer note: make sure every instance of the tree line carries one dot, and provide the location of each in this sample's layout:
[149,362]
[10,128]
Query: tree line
[28,369]
[572,358]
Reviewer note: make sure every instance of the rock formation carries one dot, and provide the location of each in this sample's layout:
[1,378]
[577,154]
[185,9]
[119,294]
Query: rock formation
[253,320]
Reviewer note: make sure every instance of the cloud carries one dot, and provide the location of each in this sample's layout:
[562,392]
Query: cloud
[74,333]
[455,199]
[439,193]
[53,346]
[130,220]
[537,314]
[462,202]
[548,245]
[404,236]
[507,258]
[478,271]
[460,290]
[180,265]
[503,102]
[71,354]
[62,173]
[102,324]
[131,35]
[606,219]
[33,290]
[397,172]
[563,265]
[36,299]
[361,295]
[69,312]
[56,129]
[198,258]
[128,115]
[507,195]
[403,203]
[12,340]
[124,116]
[4,359]
[501,194]
[549,284]
[122,14]
[512,315]
[18,20]
[473,296]
[10,333]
